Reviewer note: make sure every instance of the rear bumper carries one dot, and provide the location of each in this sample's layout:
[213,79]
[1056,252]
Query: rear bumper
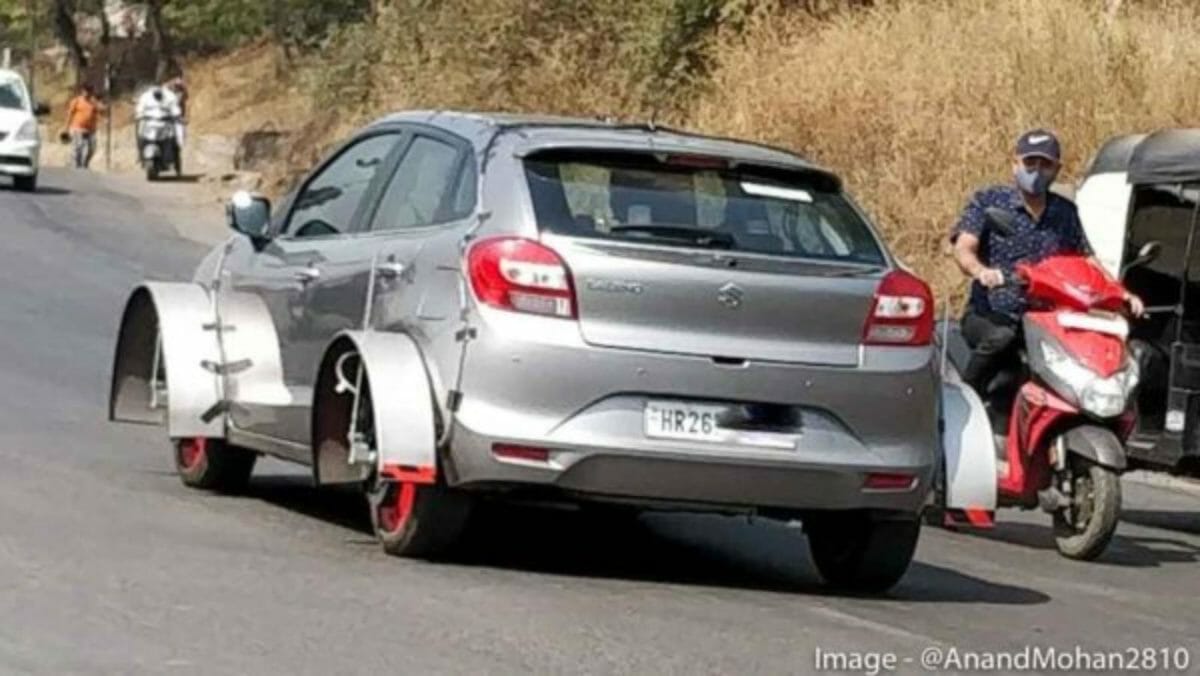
[697,479]
[585,405]
[19,158]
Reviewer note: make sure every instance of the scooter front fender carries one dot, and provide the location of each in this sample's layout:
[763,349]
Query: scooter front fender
[1098,444]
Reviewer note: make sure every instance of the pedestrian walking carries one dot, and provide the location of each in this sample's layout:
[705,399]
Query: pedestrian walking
[83,117]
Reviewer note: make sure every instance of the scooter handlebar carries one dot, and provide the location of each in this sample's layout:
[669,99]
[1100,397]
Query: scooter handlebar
[1014,279]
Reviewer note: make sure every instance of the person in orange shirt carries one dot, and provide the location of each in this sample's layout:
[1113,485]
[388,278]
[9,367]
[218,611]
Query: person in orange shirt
[83,117]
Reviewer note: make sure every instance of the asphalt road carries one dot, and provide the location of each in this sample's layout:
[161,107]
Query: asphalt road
[109,565]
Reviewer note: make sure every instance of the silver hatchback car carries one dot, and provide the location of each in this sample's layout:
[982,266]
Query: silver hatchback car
[456,306]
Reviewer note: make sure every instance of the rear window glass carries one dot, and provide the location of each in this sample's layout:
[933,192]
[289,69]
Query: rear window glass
[638,196]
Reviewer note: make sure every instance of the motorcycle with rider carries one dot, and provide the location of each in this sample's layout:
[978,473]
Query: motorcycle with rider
[1043,343]
[159,128]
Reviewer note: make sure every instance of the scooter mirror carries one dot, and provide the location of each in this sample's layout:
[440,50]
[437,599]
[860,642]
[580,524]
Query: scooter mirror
[1001,220]
[1147,254]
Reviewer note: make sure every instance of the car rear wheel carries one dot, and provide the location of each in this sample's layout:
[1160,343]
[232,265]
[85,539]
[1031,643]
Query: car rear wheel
[855,552]
[417,520]
[212,464]
[413,514]
[25,183]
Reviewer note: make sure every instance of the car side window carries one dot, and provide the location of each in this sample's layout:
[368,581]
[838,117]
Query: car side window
[326,204]
[420,190]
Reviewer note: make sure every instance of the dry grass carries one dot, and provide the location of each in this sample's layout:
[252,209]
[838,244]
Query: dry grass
[917,104]
[240,92]
[510,55]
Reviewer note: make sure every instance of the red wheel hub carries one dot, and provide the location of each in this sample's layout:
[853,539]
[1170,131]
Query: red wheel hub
[396,507]
[192,452]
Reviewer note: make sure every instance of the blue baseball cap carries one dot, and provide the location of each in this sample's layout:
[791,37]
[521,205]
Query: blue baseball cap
[1039,143]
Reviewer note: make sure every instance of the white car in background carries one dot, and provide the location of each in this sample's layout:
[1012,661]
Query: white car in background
[20,140]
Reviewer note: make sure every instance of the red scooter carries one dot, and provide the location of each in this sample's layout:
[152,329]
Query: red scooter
[1069,412]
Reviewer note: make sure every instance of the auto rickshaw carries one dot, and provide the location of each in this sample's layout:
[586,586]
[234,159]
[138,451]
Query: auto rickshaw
[1139,203]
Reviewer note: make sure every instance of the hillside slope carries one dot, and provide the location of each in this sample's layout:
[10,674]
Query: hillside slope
[915,103]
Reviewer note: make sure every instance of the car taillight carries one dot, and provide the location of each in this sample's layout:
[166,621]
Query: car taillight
[521,275]
[902,313]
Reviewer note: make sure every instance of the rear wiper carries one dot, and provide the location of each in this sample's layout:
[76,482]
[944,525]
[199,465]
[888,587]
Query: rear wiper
[701,236]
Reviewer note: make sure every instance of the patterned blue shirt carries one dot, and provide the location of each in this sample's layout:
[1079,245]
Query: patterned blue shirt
[1058,231]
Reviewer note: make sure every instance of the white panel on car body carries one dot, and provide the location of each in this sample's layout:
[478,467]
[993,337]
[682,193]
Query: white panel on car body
[401,396]
[184,310]
[250,336]
[968,445]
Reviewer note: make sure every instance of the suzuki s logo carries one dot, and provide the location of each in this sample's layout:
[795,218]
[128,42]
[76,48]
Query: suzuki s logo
[730,295]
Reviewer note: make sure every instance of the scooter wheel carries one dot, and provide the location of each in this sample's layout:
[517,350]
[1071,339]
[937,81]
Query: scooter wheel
[1084,530]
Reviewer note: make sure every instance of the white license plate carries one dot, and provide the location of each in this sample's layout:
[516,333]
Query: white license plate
[681,420]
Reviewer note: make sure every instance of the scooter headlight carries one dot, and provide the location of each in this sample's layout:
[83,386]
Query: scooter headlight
[1102,397]
[1069,372]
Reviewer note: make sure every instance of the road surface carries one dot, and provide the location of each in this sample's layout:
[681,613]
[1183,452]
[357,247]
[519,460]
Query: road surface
[109,565]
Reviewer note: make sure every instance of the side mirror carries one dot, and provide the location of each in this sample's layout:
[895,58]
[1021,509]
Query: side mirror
[1001,220]
[249,215]
[40,109]
[1149,251]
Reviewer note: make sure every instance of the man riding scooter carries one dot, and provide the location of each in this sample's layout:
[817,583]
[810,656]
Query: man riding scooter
[1061,416]
[159,136]
[1044,224]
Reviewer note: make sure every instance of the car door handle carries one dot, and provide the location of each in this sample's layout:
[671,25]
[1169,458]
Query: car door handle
[307,275]
[391,269]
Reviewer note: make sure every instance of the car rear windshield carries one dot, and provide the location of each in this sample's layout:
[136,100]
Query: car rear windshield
[695,201]
[11,97]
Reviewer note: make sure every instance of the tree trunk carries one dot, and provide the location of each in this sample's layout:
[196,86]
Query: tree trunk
[163,49]
[105,28]
[64,30]
[283,63]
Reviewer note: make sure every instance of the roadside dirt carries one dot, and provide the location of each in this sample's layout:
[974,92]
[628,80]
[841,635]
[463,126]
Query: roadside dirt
[193,205]
[194,202]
